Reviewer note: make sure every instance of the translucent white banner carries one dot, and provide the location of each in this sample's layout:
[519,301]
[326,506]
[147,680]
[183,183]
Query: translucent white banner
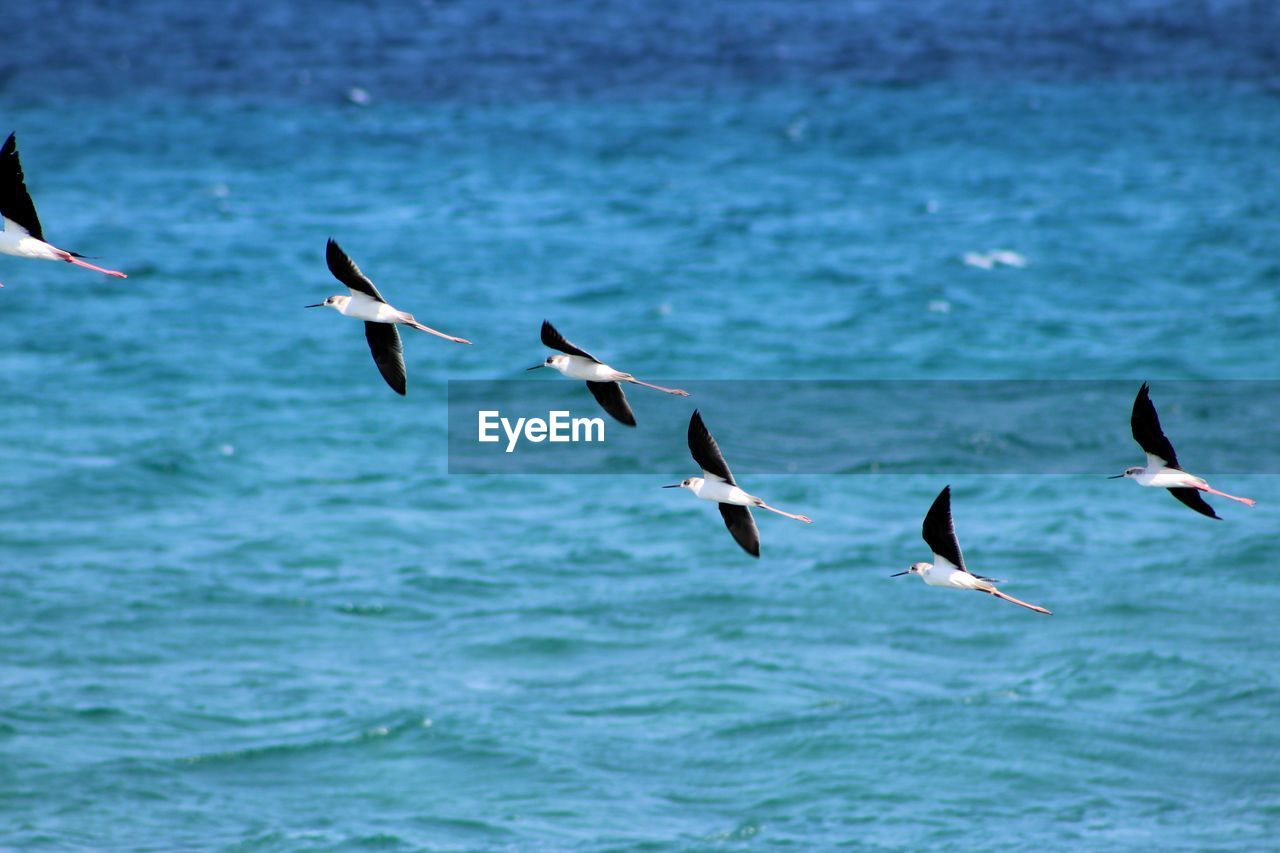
[863,427]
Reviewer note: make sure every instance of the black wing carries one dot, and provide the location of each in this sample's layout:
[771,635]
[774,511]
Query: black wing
[743,527]
[610,396]
[388,354]
[1146,428]
[1191,497]
[705,450]
[15,201]
[939,531]
[345,271]
[552,339]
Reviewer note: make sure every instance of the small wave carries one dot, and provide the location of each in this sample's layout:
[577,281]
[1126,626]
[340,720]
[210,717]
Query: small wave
[540,646]
[374,733]
[994,258]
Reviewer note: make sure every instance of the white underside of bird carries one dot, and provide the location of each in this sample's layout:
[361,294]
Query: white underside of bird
[1158,475]
[17,241]
[362,307]
[709,487]
[1168,478]
[371,310]
[577,367]
[942,573]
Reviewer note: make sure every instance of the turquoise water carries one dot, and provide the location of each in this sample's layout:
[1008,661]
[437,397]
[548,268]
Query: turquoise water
[222,624]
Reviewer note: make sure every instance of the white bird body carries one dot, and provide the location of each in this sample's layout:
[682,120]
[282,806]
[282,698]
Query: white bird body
[362,307]
[15,240]
[942,573]
[577,367]
[370,310]
[712,488]
[1160,476]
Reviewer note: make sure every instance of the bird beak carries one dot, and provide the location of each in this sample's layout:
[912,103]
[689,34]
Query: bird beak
[1116,477]
[535,367]
[317,305]
[672,486]
[900,574]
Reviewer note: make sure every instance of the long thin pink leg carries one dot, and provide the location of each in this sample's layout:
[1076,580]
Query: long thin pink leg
[72,259]
[998,594]
[1212,491]
[429,330]
[675,391]
[806,519]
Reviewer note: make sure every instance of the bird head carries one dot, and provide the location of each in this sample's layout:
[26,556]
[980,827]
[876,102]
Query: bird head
[336,302]
[556,362]
[1128,472]
[914,569]
[687,483]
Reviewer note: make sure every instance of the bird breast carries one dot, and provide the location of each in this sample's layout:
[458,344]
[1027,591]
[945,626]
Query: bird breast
[954,578]
[1168,478]
[17,242]
[578,367]
[370,310]
[721,492]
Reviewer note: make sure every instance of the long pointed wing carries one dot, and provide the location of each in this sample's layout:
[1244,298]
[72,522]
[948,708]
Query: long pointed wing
[609,395]
[345,271]
[551,339]
[15,201]
[939,531]
[1192,498]
[1146,428]
[705,450]
[388,354]
[743,527]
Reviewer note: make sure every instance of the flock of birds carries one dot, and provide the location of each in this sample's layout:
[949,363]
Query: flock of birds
[23,237]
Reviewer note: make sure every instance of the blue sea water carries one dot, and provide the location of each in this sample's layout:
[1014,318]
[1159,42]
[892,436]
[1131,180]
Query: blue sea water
[243,604]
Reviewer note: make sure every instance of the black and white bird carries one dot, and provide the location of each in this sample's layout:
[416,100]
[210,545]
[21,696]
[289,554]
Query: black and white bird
[717,484]
[1162,469]
[602,380]
[380,319]
[22,235]
[947,568]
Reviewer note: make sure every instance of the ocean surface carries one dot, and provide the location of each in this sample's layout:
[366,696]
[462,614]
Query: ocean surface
[244,604]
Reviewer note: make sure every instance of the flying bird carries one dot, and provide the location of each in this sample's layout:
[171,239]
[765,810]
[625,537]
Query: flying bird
[22,235]
[1162,470]
[717,484]
[380,319]
[947,568]
[602,380]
